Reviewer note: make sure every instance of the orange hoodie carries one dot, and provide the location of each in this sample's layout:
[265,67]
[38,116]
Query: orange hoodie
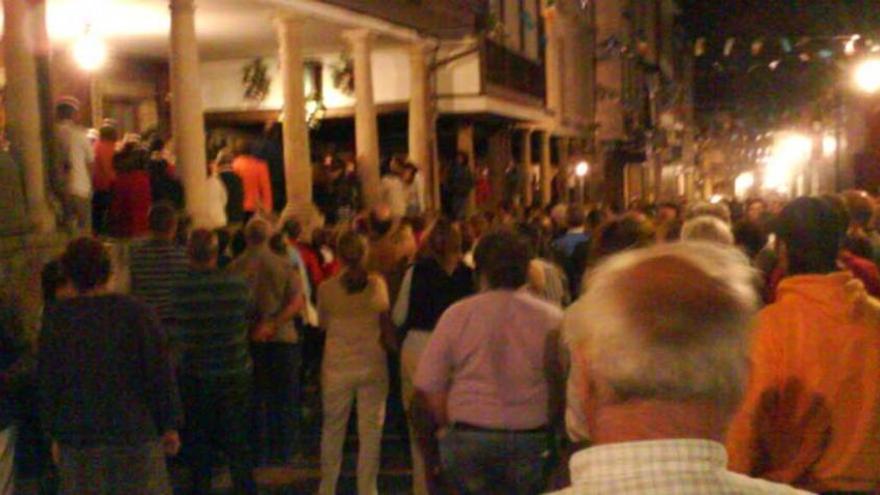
[811,415]
[254,175]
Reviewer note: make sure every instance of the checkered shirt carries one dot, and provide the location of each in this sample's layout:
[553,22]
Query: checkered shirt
[665,467]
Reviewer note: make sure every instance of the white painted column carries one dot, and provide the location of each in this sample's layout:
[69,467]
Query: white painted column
[23,110]
[564,152]
[295,134]
[552,60]
[187,119]
[365,119]
[419,142]
[546,169]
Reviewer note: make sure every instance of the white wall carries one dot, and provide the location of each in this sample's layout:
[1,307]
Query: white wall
[461,76]
[222,89]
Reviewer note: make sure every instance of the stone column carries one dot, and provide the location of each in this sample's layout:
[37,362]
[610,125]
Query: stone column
[187,120]
[552,57]
[525,168]
[563,146]
[295,130]
[365,120]
[465,144]
[23,110]
[546,169]
[419,142]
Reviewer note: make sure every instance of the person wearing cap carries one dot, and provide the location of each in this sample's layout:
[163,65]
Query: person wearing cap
[74,159]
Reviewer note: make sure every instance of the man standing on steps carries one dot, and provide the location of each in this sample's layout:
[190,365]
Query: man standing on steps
[210,319]
[275,343]
[74,159]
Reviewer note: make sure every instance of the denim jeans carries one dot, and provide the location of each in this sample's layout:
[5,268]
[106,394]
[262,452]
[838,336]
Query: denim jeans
[510,463]
[216,414]
[276,406]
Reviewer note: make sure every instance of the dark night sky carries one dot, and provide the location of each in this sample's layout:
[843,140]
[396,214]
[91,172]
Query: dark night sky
[743,81]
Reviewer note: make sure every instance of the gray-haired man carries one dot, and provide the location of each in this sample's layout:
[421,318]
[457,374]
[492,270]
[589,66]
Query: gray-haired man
[661,341]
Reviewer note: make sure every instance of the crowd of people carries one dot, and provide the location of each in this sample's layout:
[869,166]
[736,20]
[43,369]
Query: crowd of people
[669,348]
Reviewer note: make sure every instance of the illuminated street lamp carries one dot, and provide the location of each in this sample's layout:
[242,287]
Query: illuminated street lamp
[867,76]
[581,170]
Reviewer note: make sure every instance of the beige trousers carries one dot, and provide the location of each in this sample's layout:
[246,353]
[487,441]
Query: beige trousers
[339,389]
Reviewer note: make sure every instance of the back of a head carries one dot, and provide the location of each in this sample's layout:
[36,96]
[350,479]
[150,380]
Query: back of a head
[66,108]
[701,208]
[352,250]
[108,133]
[502,259]
[86,263]
[670,322]
[257,232]
[380,220]
[812,232]
[750,236]
[242,146]
[203,247]
[162,219]
[707,228]
[860,207]
[444,240]
[293,229]
[619,235]
[575,216]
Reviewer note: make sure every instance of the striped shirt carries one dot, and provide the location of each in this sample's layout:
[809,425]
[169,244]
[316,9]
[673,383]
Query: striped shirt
[209,324]
[156,265]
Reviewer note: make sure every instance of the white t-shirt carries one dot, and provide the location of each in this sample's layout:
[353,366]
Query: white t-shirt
[76,154]
[393,195]
[215,204]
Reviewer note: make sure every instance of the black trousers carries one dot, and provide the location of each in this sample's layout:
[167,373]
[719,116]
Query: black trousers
[217,419]
[276,406]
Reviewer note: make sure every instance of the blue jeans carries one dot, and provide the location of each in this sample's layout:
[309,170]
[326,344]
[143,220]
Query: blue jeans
[478,462]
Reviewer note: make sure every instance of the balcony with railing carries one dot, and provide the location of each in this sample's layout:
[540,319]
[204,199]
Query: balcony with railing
[507,71]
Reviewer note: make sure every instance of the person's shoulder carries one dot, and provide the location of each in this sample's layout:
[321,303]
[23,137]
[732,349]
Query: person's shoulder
[539,306]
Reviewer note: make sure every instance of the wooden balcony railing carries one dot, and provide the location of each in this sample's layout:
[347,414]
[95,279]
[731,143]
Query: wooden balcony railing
[502,67]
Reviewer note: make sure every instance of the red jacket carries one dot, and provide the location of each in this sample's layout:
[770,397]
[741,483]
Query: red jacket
[130,208]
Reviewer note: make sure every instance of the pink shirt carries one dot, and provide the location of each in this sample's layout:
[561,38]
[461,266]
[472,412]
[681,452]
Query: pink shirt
[488,352]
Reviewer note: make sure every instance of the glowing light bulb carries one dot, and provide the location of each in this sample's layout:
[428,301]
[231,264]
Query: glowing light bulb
[90,52]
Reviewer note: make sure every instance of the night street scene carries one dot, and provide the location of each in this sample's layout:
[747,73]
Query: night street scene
[440,247]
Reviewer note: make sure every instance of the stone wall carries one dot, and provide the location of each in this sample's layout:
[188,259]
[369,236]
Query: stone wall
[21,261]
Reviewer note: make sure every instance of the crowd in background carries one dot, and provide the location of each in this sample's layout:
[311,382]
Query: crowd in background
[631,342]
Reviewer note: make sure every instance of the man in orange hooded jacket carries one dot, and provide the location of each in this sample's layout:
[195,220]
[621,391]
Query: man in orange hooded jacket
[811,416]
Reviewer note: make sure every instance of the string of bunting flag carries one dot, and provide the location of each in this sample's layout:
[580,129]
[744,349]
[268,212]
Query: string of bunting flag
[734,54]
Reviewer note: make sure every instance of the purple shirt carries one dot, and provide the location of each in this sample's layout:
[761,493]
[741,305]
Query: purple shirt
[488,353]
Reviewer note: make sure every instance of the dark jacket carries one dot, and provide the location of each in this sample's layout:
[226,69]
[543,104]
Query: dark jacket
[104,373]
[16,362]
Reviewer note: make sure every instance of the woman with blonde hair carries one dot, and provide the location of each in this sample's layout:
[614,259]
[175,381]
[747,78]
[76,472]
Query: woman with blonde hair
[353,311]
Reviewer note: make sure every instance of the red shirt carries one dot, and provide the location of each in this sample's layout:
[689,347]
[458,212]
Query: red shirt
[313,264]
[130,208]
[105,174]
